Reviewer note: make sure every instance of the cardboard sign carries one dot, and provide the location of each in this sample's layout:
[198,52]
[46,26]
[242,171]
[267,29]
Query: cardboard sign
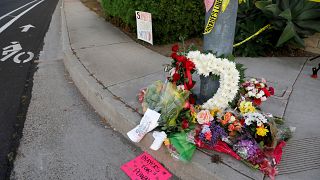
[144,26]
[145,167]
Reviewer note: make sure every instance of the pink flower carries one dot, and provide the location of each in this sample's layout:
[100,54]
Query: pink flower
[141,94]
[204,116]
[186,105]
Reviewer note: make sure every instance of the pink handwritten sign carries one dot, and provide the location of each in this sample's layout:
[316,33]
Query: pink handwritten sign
[145,167]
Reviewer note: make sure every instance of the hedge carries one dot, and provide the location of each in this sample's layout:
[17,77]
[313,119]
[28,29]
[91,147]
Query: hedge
[170,18]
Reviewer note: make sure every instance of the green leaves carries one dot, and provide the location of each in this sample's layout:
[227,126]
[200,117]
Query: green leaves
[286,14]
[287,34]
[262,4]
[295,18]
[310,25]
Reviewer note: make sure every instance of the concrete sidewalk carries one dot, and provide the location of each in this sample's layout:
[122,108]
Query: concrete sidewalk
[109,68]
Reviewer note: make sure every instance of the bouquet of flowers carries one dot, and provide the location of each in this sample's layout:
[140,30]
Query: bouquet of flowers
[256,91]
[172,102]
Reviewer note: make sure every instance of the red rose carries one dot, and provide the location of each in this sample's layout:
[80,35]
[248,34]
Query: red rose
[175,77]
[271,90]
[257,102]
[192,100]
[185,124]
[175,48]
[242,121]
[266,92]
[174,55]
[181,58]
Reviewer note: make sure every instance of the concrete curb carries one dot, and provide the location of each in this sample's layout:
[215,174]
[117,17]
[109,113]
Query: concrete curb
[121,117]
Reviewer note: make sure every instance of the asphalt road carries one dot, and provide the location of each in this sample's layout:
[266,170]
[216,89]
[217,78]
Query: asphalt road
[19,47]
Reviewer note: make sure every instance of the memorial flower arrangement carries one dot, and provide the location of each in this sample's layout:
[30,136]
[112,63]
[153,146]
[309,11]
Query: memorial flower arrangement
[256,91]
[238,129]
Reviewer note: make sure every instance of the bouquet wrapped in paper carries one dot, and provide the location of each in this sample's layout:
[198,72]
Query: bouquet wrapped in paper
[171,103]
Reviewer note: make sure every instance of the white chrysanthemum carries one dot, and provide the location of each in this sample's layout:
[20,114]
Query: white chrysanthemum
[229,77]
[255,117]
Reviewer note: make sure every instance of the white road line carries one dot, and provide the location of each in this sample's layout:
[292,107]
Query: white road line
[16,9]
[17,17]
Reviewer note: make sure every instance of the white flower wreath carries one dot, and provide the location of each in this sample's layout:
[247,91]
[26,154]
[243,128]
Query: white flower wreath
[229,77]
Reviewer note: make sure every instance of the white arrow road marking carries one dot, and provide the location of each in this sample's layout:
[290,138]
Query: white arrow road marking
[25,28]
[17,17]
[17,9]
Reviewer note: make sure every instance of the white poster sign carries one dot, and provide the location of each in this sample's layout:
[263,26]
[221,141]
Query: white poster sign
[144,26]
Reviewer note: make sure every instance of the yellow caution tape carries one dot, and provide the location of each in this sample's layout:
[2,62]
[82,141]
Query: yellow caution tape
[254,35]
[213,17]
[225,4]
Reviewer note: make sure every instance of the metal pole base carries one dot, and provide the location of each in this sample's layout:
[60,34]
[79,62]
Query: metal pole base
[208,88]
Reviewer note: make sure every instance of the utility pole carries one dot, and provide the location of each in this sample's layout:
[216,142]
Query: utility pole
[219,41]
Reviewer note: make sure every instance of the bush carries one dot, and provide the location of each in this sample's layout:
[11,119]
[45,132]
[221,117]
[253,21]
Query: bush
[291,20]
[250,20]
[170,19]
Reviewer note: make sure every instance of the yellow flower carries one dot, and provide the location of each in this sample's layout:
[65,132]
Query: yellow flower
[246,107]
[214,111]
[194,117]
[261,131]
[166,142]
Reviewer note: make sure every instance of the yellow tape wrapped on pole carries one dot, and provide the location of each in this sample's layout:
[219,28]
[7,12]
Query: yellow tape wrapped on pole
[213,17]
[254,35]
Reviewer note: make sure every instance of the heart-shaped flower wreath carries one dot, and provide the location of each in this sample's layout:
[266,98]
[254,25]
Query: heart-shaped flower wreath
[225,69]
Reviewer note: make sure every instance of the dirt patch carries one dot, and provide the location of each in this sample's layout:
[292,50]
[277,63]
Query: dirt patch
[165,50]
[95,6]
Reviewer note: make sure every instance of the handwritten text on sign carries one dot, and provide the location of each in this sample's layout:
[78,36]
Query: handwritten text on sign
[145,167]
[144,26]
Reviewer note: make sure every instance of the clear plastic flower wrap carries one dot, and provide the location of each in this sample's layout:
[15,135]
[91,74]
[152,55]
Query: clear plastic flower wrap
[171,103]
[284,133]
[152,96]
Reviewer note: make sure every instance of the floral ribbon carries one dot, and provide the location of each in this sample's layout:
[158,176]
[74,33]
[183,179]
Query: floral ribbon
[188,66]
[213,17]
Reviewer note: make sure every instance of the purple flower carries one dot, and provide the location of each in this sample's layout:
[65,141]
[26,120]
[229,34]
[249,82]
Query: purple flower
[249,150]
[217,133]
